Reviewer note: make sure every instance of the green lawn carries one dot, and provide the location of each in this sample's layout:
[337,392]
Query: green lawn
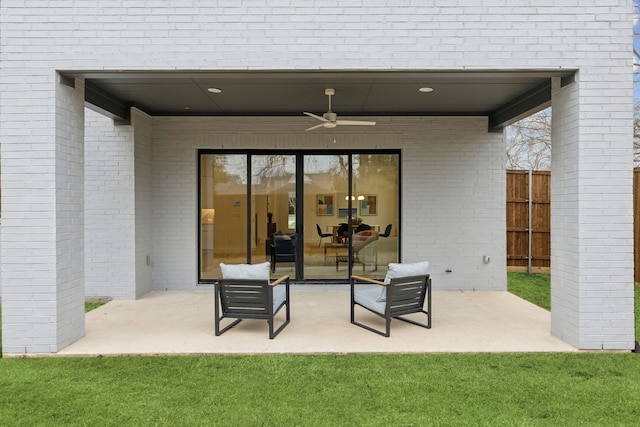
[536,288]
[88,306]
[324,390]
[524,389]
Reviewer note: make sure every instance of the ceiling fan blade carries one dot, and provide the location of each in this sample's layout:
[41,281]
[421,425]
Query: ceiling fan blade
[354,123]
[329,119]
[322,119]
[316,126]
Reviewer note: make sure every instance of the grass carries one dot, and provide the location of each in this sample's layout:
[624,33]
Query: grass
[525,389]
[536,288]
[88,306]
[323,390]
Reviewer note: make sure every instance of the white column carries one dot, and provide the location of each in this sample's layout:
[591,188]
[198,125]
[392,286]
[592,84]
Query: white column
[43,212]
[592,213]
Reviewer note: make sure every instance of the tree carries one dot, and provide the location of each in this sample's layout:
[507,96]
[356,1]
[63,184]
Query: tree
[529,142]
[636,40]
[636,81]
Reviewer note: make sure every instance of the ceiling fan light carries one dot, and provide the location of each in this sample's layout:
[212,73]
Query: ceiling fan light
[330,119]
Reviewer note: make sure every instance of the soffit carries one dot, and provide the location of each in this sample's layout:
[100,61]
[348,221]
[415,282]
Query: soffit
[289,93]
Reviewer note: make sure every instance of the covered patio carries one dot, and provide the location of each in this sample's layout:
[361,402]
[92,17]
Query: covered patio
[102,128]
[177,322]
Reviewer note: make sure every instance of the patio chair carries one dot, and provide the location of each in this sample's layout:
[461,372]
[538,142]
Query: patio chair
[397,296]
[246,292]
[283,249]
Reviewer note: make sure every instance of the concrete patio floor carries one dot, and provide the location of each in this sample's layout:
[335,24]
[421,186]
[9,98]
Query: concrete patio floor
[179,323]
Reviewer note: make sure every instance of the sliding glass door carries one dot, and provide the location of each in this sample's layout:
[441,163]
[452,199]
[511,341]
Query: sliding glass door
[223,212]
[273,213]
[312,215]
[325,188]
[376,196]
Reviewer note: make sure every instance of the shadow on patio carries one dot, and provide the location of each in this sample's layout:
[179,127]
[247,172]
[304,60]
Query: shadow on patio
[182,323]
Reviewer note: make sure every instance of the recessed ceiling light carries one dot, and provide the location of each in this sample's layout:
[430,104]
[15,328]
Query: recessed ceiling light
[187,108]
[426,89]
[214,90]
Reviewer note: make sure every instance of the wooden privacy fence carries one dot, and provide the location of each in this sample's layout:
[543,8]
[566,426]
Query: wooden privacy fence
[636,224]
[529,248]
[528,220]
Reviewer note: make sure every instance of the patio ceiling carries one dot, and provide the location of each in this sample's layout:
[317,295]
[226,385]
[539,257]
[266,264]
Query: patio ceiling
[504,96]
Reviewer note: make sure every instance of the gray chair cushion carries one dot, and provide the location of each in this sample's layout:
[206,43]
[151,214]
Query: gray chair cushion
[403,270]
[279,295]
[245,271]
[368,297]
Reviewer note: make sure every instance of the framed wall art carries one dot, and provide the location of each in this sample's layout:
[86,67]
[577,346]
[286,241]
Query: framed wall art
[325,204]
[369,205]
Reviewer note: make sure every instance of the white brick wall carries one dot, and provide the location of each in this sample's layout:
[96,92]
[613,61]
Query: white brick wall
[69,214]
[118,206]
[291,34]
[143,201]
[42,228]
[109,208]
[38,37]
[592,215]
[453,189]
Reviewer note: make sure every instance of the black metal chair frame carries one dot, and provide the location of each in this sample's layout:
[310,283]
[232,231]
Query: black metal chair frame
[277,256]
[405,295]
[249,299]
[387,231]
[323,235]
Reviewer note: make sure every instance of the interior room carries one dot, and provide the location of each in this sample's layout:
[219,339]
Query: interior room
[328,227]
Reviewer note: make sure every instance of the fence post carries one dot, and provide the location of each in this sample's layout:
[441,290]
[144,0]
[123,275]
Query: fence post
[530,223]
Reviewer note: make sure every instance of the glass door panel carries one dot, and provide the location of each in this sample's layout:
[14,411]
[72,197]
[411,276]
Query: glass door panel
[336,213]
[376,197]
[325,189]
[223,212]
[273,222]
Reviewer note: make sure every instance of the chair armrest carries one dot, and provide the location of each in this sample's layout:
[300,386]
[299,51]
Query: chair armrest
[366,279]
[280,280]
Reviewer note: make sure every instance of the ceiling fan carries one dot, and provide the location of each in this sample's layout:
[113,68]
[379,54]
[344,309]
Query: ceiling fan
[330,119]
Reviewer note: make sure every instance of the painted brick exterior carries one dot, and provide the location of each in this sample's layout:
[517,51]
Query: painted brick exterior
[43,254]
[143,201]
[453,189]
[117,206]
[109,208]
